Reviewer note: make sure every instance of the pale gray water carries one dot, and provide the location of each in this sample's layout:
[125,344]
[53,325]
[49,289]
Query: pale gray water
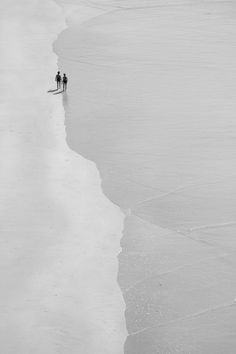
[152,102]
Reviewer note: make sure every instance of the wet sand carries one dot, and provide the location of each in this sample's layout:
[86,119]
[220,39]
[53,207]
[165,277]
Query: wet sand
[152,102]
[60,235]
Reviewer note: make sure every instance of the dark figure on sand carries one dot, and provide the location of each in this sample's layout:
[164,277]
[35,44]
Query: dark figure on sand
[58,79]
[64,80]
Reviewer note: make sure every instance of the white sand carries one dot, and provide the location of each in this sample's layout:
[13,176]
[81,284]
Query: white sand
[59,234]
[152,102]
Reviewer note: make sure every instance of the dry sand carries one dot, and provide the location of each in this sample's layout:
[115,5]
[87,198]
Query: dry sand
[152,102]
[60,235]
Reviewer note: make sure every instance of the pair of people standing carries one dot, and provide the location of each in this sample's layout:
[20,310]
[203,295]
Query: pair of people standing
[64,80]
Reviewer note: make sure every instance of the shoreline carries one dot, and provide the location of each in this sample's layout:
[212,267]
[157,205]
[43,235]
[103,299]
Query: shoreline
[80,14]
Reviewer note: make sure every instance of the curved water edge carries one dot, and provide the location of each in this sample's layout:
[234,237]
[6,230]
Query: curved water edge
[111,312]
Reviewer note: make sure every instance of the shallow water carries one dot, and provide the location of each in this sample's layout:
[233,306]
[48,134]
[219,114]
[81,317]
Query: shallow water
[152,102]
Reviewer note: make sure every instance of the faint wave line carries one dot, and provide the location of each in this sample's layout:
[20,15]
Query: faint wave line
[160,274]
[211,226]
[196,314]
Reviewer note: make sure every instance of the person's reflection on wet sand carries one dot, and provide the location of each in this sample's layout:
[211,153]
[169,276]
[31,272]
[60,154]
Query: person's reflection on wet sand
[65,100]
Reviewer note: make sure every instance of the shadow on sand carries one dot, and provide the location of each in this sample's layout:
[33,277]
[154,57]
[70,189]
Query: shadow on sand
[57,93]
[53,90]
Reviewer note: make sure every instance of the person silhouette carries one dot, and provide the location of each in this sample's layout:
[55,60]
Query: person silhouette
[58,79]
[64,81]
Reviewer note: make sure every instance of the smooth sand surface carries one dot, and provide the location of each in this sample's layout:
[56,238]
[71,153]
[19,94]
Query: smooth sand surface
[152,102]
[60,235]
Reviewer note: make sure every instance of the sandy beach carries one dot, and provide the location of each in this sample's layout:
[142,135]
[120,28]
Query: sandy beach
[117,198]
[60,236]
[152,103]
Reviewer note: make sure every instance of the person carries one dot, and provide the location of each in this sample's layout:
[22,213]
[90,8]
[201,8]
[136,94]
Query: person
[64,80]
[58,79]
